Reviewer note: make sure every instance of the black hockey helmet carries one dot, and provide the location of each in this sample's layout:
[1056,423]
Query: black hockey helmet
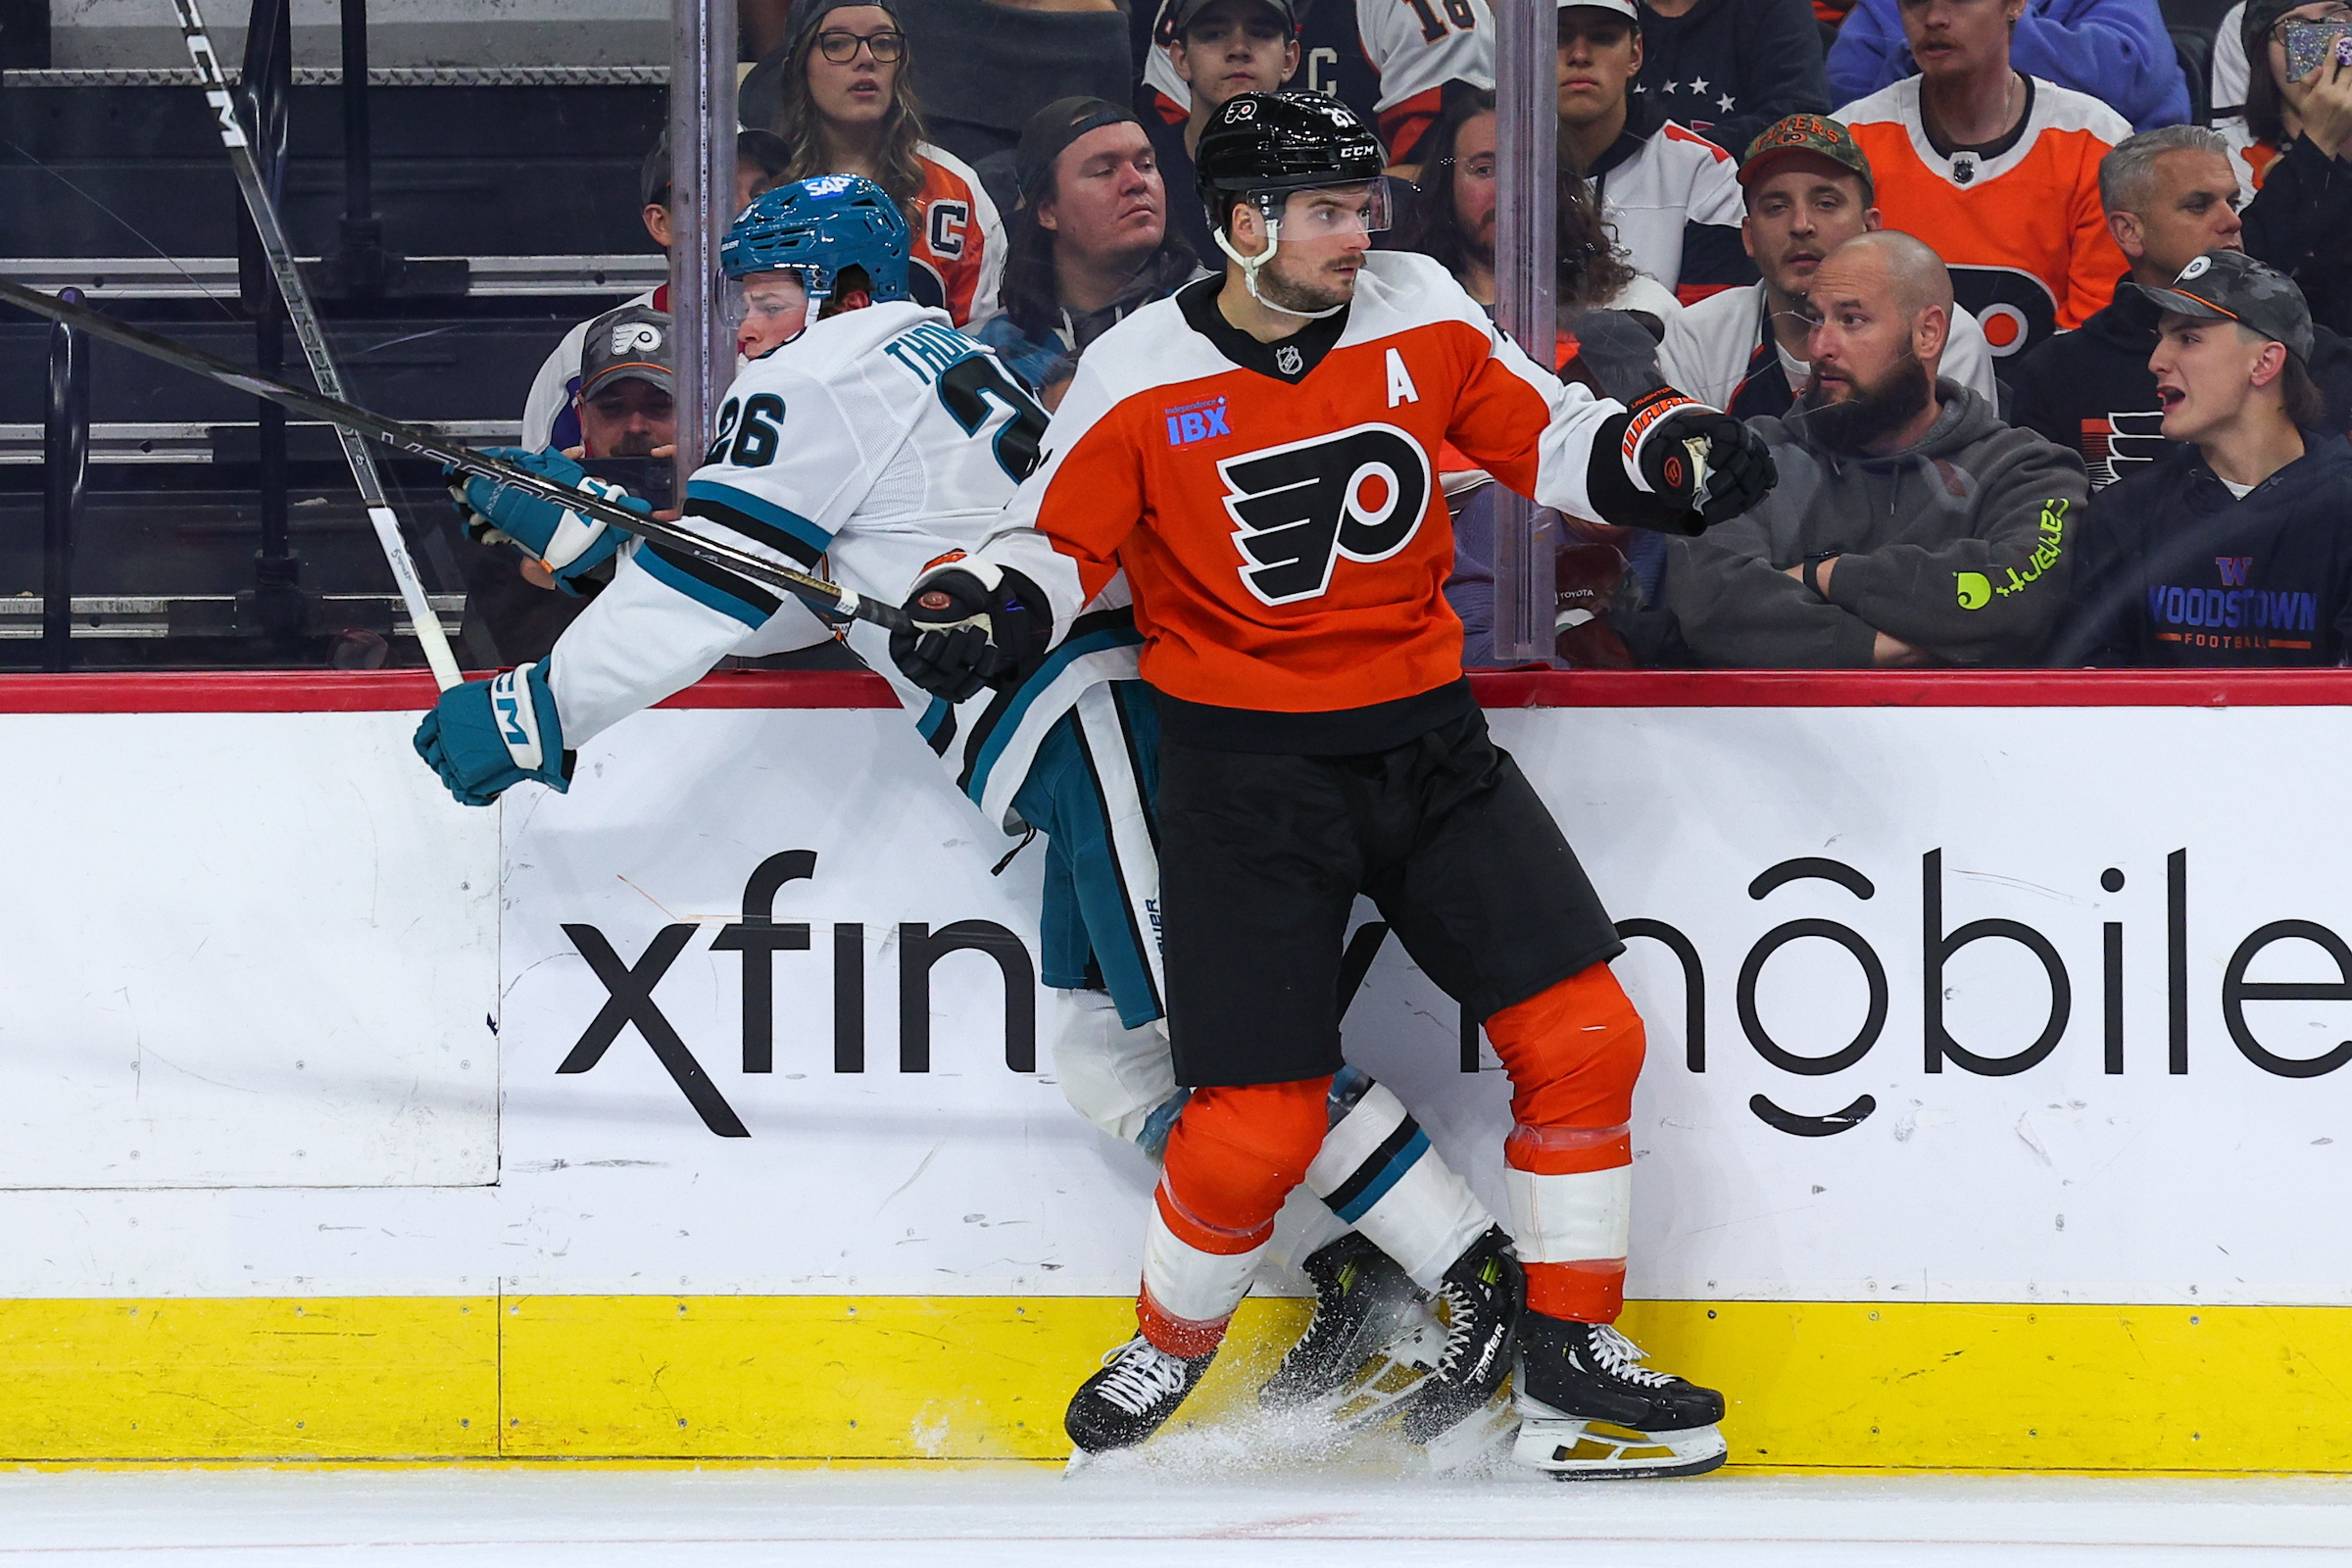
[1271,142]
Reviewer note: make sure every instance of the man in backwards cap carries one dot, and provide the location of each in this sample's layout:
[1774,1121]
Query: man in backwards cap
[2231,549]
[1091,240]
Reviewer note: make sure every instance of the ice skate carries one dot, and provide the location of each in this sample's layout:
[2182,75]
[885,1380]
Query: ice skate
[1590,1411]
[1368,1343]
[1138,1389]
[1481,1299]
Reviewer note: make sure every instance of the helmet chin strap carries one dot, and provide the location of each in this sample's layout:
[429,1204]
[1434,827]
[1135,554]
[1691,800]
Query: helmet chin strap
[1250,264]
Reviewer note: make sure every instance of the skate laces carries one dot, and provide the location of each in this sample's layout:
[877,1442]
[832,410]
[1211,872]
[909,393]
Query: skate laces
[1461,1318]
[1141,1375]
[1622,1358]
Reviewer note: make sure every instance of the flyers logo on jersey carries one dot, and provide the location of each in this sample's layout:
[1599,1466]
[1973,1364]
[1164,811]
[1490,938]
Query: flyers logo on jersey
[1357,494]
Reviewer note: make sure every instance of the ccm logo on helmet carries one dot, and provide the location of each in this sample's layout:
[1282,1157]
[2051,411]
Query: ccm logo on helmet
[1359,493]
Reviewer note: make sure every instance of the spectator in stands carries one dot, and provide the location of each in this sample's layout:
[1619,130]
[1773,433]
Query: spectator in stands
[1910,526]
[550,417]
[1450,216]
[625,408]
[2231,549]
[2169,196]
[1397,63]
[2118,51]
[626,404]
[1808,191]
[2294,152]
[1730,67]
[2001,170]
[1218,50]
[1090,241]
[841,96]
[1671,195]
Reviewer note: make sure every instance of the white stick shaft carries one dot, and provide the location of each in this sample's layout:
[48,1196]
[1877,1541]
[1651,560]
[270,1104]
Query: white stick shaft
[307,332]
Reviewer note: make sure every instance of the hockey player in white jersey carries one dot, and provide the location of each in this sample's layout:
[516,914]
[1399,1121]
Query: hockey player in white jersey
[876,440]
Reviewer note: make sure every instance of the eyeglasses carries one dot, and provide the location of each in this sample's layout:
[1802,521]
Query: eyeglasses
[2342,12]
[841,48]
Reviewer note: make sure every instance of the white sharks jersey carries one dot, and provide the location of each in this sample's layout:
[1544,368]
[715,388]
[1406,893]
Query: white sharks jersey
[862,451]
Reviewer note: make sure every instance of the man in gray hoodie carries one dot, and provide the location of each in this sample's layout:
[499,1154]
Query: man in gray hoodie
[1910,526]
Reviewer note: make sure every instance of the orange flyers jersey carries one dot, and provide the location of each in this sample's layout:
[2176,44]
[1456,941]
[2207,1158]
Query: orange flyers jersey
[2023,231]
[1276,506]
[958,252]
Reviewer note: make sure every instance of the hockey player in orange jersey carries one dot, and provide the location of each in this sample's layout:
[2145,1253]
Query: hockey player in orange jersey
[1257,453]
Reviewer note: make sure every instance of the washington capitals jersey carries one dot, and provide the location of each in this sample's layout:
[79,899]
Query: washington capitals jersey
[1275,507]
[876,442]
[2022,230]
[1390,60]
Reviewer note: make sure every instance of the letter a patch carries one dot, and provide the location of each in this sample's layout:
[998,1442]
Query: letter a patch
[1401,384]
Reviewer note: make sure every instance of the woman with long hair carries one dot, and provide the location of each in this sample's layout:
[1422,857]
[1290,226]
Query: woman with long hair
[1451,220]
[841,93]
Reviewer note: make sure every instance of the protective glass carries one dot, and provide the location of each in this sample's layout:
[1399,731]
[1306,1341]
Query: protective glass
[842,47]
[769,296]
[1329,213]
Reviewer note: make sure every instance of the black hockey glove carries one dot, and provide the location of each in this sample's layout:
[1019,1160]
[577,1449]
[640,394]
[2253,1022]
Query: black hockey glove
[975,624]
[1695,464]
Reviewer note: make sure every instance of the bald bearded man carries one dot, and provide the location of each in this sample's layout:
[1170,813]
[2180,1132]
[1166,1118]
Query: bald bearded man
[1910,526]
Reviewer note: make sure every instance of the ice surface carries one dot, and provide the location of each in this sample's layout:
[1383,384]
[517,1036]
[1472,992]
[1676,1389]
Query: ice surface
[1180,1508]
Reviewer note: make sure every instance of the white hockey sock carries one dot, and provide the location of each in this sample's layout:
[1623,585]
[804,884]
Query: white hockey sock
[1113,1076]
[1198,1288]
[1377,1172]
[1579,1217]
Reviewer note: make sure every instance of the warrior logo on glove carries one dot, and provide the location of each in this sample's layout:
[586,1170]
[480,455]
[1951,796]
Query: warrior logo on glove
[1359,493]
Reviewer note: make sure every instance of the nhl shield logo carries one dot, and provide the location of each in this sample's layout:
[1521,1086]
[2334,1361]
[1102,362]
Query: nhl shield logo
[1964,169]
[1288,359]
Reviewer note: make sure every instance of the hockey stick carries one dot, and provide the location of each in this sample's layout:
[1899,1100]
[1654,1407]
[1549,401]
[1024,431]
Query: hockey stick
[828,597]
[305,316]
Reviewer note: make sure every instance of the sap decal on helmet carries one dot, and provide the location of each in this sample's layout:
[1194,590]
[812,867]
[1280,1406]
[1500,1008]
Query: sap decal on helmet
[1267,144]
[818,227]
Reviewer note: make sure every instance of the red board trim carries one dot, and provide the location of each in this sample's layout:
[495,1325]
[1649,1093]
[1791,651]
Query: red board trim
[391,691]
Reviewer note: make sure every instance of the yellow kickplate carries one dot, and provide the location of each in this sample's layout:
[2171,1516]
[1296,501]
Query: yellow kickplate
[2016,1387]
[664,1379]
[332,1378]
[864,1378]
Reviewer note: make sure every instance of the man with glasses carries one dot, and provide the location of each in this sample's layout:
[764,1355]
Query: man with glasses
[1257,454]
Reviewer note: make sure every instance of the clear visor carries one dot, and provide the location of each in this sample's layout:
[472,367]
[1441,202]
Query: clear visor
[765,296]
[1340,209]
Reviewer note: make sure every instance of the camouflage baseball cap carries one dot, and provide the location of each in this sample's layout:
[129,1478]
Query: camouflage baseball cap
[1817,134]
[2233,286]
[631,343]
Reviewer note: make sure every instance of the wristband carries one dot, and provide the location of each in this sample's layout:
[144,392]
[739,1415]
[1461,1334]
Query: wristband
[1813,569]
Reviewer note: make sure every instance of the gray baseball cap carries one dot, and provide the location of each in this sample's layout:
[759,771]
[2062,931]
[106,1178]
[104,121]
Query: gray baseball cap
[2233,286]
[630,342]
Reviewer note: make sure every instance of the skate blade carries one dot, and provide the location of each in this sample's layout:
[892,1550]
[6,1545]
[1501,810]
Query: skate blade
[1389,1378]
[1483,1435]
[1571,1448]
[1080,1460]
[1383,1381]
